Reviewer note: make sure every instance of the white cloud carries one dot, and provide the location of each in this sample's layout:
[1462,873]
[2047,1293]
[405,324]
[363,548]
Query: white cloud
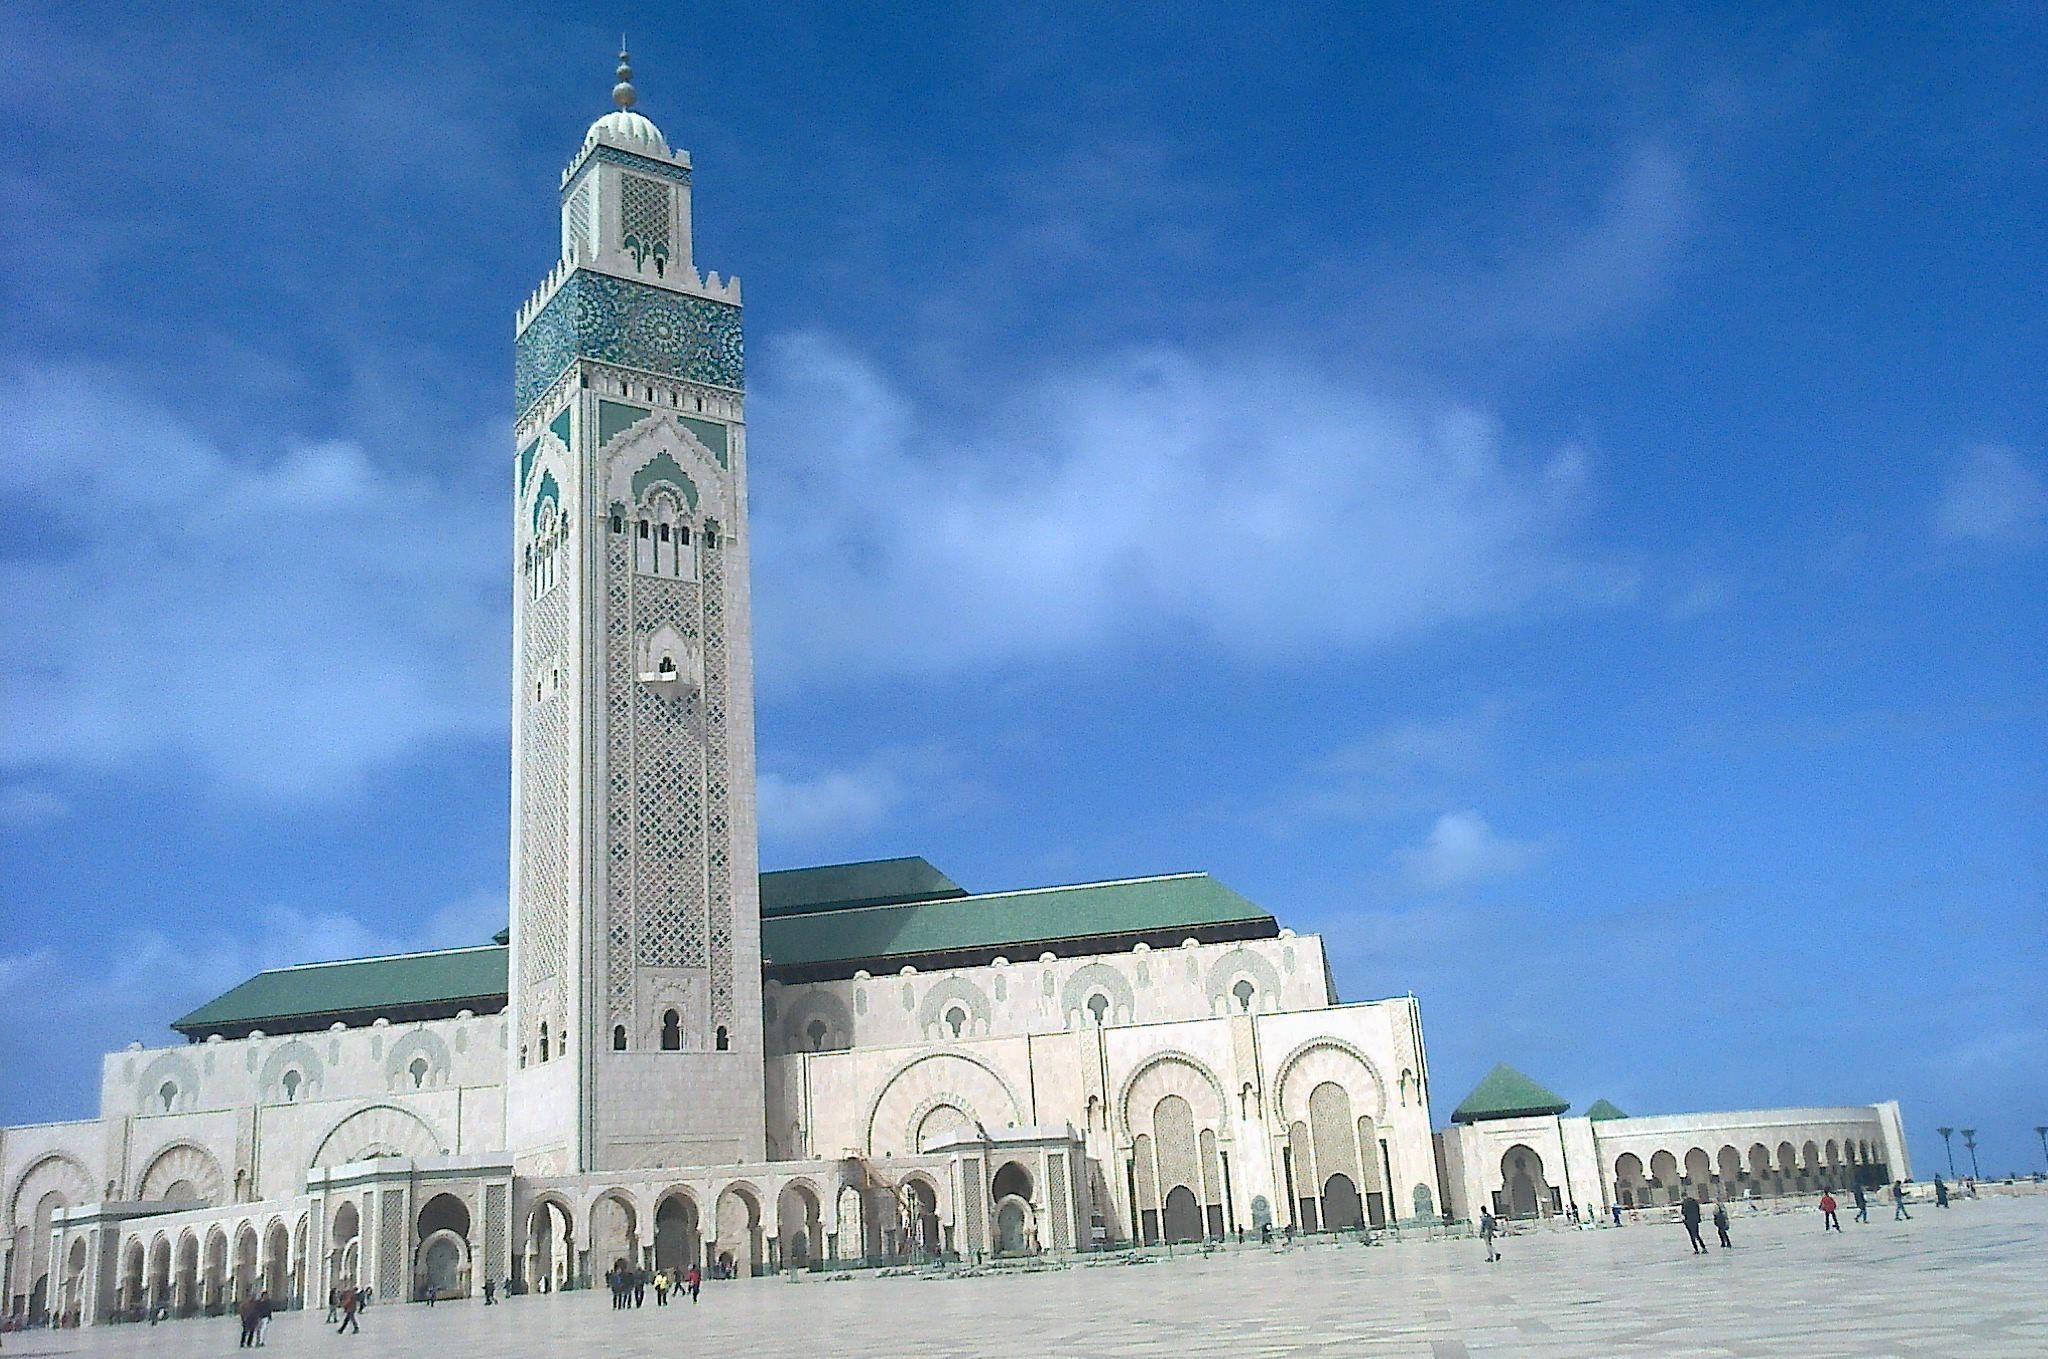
[287,623]
[1259,506]
[1995,497]
[69,1010]
[1703,596]
[804,807]
[27,805]
[1463,849]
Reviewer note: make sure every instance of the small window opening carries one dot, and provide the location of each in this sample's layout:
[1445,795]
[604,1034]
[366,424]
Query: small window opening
[643,528]
[291,1086]
[543,1042]
[671,1031]
[956,1020]
[724,1038]
[1244,991]
[1098,1005]
[683,533]
[618,1038]
[419,1070]
[168,1093]
[817,1031]
[667,668]
[618,523]
[664,533]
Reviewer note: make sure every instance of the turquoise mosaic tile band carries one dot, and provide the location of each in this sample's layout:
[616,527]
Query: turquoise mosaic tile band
[615,320]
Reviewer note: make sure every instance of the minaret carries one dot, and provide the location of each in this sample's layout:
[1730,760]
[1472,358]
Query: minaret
[636,953]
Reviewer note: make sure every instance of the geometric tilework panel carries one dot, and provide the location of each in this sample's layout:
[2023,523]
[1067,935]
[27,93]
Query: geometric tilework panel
[634,325]
[644,219]
[392,1246]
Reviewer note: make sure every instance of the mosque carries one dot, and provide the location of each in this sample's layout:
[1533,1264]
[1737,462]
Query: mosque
[672,1057]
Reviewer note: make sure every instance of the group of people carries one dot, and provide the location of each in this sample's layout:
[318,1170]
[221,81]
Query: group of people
[255,1313]
[1828,1206]
[1692,1214]
[629,1286]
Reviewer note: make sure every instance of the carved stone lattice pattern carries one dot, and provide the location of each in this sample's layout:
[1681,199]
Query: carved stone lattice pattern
[1174,1123]
[717,783]
[544,810]
[644,219]
[971,1196]
[183,1163]
[391,1245]
[661,899]
[634,325]
[579,219]
[1330,1125]
[1056,1199]
[497,1214]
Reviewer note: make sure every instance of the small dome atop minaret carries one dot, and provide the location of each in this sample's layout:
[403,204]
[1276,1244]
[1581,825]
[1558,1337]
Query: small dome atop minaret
[623,127]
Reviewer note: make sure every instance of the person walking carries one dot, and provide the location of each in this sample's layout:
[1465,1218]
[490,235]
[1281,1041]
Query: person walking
[695,1278]
[263,1311]
[1899,1213]
[333,1305]
[433,1292]
[246,1310]
[1721,1223]
[1827,1212]
[490,1291]
[661,1288]
[1862,1203]
[639,1288]
[1488,1227]
[1940,1193]
[351,1304]
[1689,1213]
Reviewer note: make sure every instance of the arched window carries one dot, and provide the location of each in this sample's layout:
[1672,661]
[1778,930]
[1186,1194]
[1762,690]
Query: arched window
[671,1031]
[291,1086]
[618,1038]
[667,668]
[816,1032]
[419,1069]
[618,522]
[1098,1005]
[956,1020]
[168,1093]
[1245,992]
[543,1040]
[724,1038]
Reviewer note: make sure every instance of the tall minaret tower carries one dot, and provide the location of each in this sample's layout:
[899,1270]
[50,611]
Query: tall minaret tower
[636,942]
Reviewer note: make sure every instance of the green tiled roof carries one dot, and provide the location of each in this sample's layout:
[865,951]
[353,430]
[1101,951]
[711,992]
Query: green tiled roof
[1506,1093]
[1603,1110]
[814,923]
[878,882]
[1045,916]
[315,994]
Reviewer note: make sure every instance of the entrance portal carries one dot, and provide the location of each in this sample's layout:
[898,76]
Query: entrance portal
[1183,1215]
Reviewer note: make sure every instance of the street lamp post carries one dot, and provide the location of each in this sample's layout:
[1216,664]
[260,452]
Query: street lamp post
[2041,1131]
[1948,1147]
[1970,1144]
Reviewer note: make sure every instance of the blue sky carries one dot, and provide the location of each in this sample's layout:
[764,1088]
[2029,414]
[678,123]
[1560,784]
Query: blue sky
[1557,501]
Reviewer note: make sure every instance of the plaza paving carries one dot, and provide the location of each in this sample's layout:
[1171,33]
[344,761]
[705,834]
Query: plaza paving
[1969,1281]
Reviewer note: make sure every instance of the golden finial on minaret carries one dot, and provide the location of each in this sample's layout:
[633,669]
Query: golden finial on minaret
[623,93]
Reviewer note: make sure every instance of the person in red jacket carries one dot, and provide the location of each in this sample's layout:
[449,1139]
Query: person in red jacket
[1827,1212]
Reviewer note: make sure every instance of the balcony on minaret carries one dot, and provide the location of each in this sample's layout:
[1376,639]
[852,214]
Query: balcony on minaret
[671,665]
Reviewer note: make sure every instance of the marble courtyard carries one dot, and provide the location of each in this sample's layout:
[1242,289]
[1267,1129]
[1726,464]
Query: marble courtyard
[1964,1282]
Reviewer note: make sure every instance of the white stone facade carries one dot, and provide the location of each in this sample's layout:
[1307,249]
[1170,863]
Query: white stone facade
[1543,1165]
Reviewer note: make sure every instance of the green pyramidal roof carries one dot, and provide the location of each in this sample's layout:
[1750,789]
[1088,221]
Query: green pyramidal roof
[1603,1110]
[1506,1093]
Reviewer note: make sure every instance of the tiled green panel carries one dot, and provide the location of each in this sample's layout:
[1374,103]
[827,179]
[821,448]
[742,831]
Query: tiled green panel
[615,418]
[661,467]
[634,325]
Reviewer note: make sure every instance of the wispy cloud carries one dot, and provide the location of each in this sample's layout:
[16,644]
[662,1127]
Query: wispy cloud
[1249,502]
[1995,497]
[285,623]
[27,805]
[1463,849]
[80,1005]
